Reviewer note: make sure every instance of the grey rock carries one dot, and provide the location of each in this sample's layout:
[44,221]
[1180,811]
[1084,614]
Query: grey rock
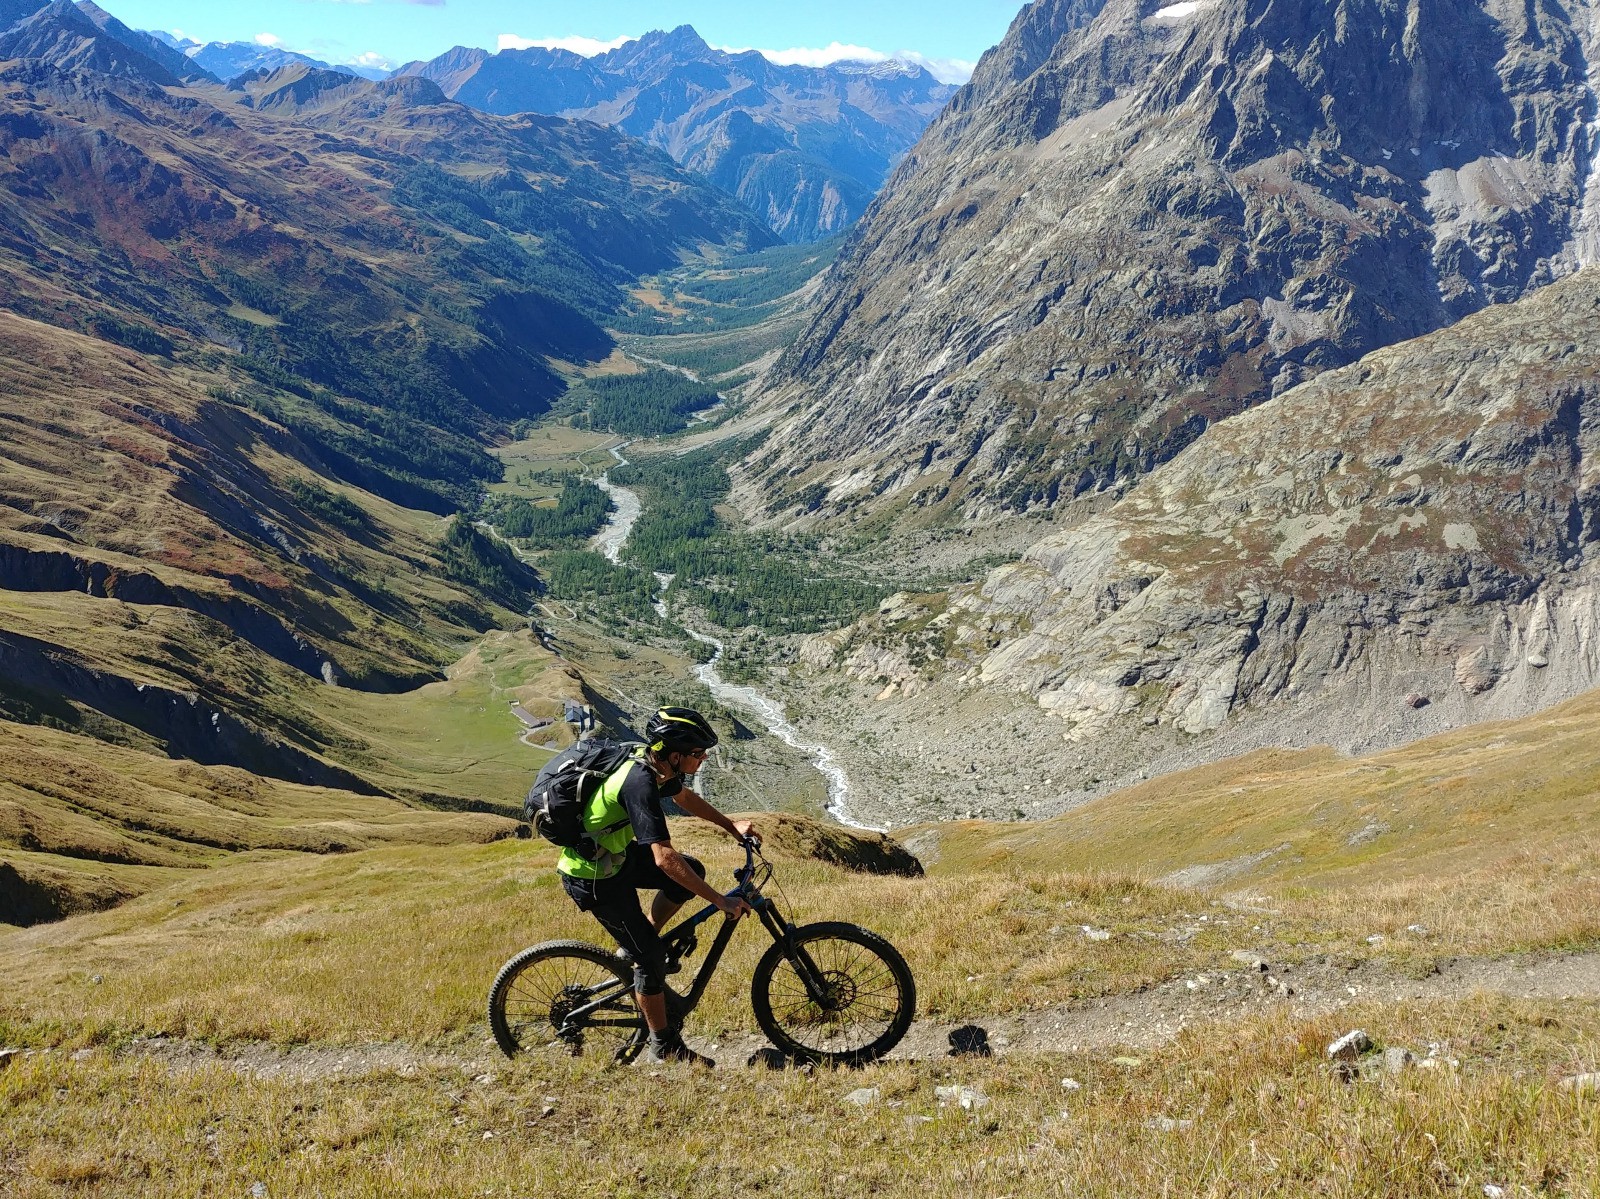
[863,1096]
[1582,1084]
[968,1098]
[1168,1124]
[1350,1047]
[7,1056]
[1396,1059]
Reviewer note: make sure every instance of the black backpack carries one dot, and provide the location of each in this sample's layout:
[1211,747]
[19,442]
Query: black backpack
[564,787]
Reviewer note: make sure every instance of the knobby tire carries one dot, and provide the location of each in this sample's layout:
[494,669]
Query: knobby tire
[525,1002]
[871,999]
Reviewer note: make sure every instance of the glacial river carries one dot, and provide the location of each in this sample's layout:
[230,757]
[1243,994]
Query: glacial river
[771,714]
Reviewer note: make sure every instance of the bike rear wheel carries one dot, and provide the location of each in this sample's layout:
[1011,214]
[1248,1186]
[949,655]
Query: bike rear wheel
[538,1001]
[860,1001]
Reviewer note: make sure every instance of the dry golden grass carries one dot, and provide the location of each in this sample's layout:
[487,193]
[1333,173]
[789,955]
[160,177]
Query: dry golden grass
[1253,1111]
[1486,836]
[401,943]
[93,824]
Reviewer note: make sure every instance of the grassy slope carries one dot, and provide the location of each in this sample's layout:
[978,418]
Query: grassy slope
[1486,835]
[399,944]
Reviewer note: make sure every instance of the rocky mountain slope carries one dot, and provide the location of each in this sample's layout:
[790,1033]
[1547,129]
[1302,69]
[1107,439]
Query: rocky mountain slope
[1396,547]
[1139,218]
[255,342]
[805,148]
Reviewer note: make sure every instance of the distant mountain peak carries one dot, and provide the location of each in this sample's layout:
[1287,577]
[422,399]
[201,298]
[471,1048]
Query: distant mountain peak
[65,36]
[806,147]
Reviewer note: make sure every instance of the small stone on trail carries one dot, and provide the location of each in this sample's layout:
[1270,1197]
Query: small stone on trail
[488,1135]
[1491,1191]
[970,1098]
[863,1096]
[1096,934]
[1416,930]
[1396,1058]
[6,1055]
[547,1111]
[1071,1084]
[1168,1124]
[484,1080]
[1350,1046]
[82,1055]
[1253,960]
[1129,1062]
[258,1190]
[1582,1084]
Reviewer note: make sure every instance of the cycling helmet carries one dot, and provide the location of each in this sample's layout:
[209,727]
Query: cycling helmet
[679,730]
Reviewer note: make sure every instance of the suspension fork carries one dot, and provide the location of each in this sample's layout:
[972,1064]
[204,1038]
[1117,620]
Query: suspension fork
[783,933]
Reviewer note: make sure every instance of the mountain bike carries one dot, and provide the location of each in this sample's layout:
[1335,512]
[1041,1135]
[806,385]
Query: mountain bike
[830,993]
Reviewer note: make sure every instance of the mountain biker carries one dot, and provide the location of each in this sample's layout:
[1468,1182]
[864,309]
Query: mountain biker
[625,818]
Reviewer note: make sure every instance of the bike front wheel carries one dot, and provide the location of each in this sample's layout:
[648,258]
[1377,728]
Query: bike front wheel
[834,993]
[569,997]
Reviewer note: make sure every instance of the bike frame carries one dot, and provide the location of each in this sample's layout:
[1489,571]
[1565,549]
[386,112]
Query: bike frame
[680,940]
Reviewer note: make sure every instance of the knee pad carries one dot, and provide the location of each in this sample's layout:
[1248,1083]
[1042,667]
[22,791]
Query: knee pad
[648,982]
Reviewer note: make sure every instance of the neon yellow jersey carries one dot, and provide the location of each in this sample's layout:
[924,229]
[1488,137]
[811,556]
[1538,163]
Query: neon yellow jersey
[605,820]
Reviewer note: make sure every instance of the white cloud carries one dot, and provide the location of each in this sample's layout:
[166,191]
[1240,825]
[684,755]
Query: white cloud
[588,47]
[371,60]
[801,56]
[268,39]
[945,70]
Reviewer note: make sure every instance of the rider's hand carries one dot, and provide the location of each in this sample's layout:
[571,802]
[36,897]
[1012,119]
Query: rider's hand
[734,907]
[747,831]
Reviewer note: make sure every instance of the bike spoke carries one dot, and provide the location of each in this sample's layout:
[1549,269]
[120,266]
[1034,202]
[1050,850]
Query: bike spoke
[569,997]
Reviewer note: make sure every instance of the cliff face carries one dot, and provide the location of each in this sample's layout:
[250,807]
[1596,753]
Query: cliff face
[1394,548]
[1140,218]
[805,148]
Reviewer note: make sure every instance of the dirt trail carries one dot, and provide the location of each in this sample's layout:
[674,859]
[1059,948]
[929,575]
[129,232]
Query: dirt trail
[1141,1020]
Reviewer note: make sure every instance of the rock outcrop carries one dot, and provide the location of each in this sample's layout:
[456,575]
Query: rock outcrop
[1140,218]
[1397,547]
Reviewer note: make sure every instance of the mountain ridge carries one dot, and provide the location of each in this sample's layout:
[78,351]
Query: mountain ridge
[1104,244]
[804,147]
[1395,548]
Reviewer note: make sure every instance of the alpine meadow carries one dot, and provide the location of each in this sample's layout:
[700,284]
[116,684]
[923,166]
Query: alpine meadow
[1119,519]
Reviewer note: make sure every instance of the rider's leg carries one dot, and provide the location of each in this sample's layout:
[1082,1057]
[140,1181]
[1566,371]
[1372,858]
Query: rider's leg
[671,895]
[654,1008]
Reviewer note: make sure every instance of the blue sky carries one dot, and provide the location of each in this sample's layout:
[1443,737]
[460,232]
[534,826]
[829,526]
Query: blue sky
[948,35]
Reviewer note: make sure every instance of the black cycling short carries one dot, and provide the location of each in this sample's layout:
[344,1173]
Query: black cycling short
[614,902]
